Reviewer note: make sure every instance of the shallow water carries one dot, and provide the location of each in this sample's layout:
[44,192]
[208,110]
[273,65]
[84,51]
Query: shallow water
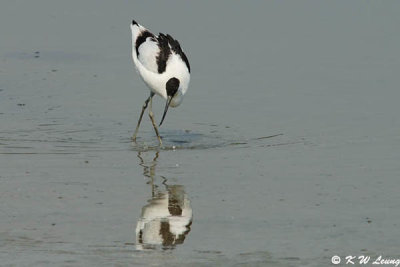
[284,152]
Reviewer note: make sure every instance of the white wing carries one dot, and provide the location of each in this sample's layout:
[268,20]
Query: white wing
[144,47]
[148,52]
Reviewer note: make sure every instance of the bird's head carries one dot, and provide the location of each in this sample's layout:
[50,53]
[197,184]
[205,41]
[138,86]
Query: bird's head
[174,95]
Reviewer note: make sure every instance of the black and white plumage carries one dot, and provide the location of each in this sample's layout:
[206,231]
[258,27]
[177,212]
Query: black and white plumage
[162,65]
[165,219]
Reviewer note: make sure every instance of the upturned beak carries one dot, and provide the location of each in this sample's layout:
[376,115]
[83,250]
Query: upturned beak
[166,109]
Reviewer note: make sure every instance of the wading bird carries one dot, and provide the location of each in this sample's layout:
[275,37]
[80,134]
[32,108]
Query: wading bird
[163,67]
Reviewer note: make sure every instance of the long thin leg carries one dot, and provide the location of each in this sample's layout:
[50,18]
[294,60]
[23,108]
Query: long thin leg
[141,115]
[151,115]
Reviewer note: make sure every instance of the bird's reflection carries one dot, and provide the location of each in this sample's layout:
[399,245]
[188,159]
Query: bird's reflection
[166,219]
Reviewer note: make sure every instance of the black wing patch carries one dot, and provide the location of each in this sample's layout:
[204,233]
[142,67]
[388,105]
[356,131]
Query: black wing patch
[141,39]
[164,53]
[165,44]
[176,47]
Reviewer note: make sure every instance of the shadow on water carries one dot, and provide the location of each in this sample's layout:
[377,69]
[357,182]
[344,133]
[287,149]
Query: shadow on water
[165,221]
[183,140]
[59,141]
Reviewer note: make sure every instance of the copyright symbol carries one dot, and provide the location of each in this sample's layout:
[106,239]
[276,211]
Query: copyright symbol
[335,260]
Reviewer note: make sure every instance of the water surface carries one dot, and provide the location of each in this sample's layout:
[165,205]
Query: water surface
[284,152]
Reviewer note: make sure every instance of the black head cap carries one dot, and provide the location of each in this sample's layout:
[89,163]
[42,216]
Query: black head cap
[172,86]
[134,22]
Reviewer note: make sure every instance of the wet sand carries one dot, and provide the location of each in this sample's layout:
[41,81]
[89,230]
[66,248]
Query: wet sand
[284,152]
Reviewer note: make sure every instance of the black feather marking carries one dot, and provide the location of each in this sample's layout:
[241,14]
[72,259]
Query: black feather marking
[141,39]
[172,86]
[164,53]
[165,232]
[134,22]
[176,47]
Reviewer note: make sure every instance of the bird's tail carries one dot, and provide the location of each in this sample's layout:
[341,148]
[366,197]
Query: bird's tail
[136,30]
